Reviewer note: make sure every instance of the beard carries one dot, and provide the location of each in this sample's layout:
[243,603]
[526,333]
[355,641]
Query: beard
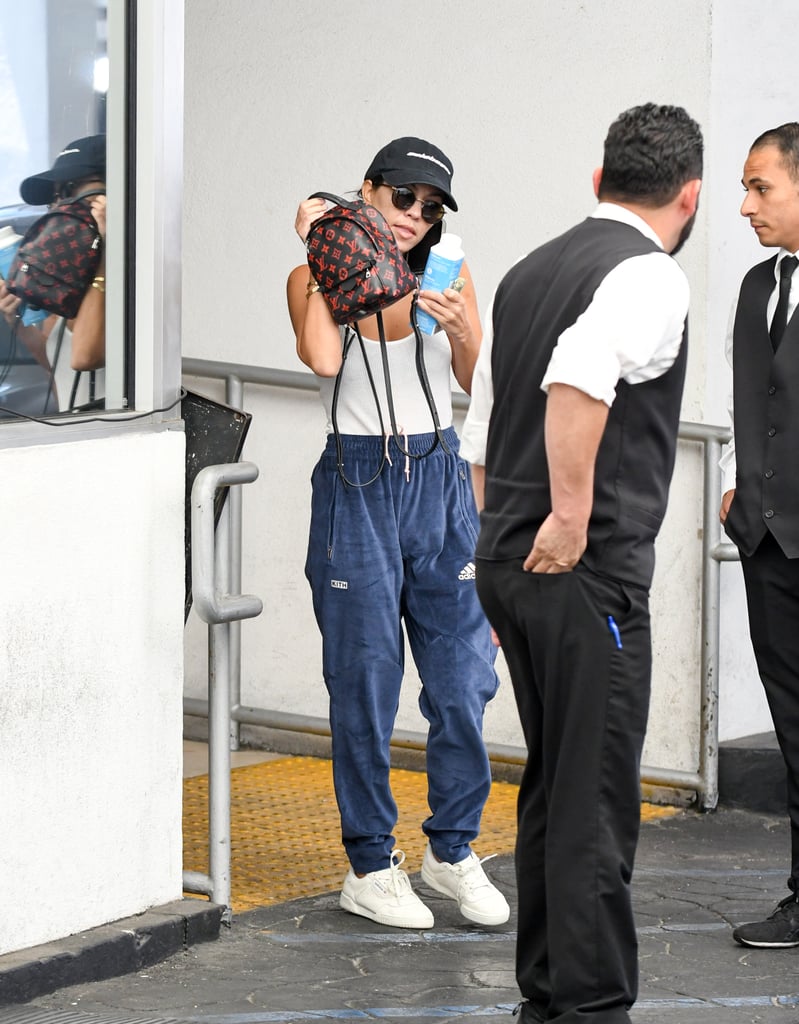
[685,234]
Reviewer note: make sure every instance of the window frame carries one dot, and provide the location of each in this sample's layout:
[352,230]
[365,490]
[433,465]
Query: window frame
[143,257]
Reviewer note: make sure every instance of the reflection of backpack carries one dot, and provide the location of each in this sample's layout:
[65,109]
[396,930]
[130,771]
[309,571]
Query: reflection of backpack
[355,260]
[58,257]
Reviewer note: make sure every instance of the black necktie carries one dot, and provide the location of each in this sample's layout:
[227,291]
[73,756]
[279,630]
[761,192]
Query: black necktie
[780,318]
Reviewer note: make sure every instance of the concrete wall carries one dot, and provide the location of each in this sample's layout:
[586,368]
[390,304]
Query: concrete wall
[522,110]
[91,670]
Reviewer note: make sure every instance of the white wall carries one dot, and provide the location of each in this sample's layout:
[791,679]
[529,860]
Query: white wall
[90,683]
[750,93]
[522,110]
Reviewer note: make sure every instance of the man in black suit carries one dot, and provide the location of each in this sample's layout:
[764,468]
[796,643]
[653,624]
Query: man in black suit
[761,511]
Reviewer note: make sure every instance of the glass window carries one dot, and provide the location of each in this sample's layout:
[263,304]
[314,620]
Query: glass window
[56,354]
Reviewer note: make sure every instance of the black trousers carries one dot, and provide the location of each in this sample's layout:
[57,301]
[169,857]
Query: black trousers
[583,702]
[772,597]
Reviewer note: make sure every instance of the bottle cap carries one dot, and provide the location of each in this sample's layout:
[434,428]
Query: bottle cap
[449,244]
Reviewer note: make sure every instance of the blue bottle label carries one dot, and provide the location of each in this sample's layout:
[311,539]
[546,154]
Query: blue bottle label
[7,254]
[439,273]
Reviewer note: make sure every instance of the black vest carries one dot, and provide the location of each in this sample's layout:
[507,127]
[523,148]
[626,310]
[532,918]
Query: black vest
[537,300]
[766,420]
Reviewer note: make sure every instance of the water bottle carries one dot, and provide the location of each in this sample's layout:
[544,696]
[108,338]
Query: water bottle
[441,271]
[9,243]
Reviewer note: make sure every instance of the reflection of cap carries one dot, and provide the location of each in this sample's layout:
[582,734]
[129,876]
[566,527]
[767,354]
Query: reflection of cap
[410,161]
[80,159]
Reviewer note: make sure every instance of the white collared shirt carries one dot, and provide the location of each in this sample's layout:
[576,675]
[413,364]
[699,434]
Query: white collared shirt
[727,461]
[631,331]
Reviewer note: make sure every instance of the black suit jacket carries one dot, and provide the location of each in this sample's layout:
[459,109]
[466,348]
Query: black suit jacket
[766,422]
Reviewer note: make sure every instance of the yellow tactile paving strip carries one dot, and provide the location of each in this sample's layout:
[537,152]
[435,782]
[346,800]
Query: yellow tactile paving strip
[285,835]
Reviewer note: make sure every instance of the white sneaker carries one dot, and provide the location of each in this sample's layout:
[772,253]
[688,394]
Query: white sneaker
[386,896]
[478,899]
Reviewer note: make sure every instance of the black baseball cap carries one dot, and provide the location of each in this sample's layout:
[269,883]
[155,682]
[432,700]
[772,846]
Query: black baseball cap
[410,161]
[80,159]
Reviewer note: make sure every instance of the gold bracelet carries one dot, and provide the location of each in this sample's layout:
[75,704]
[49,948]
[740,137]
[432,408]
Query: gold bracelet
[313,286]
[96,283]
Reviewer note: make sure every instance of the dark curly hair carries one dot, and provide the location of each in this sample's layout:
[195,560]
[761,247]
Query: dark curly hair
[651,151]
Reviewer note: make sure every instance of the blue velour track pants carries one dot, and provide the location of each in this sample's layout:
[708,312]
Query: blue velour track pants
[401,549]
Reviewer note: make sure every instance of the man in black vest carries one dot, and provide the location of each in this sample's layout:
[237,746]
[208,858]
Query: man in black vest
[760,511]
[587,365]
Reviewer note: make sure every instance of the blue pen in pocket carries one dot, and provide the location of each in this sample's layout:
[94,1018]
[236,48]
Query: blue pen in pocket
[614,630]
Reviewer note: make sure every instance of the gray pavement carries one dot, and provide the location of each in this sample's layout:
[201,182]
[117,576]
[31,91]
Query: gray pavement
[696,877]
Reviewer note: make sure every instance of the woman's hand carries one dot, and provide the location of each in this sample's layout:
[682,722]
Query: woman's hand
[456,312]
[308,211]
[9,304]
[98,206]
[450,310]
[33,336]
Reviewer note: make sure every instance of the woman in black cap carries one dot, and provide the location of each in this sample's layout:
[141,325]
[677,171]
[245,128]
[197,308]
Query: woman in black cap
[68,348]
[400,549]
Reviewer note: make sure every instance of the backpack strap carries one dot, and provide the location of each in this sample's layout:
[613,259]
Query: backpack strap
[331,198]
[421,370]
[422,374]
[353,331]
[59,341]
[85,195]
[74,392]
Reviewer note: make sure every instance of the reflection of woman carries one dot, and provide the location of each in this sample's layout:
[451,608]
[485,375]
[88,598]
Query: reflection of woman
[72,351]
[400,549]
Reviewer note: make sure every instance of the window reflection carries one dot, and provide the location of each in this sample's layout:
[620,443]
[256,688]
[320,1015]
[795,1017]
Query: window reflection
[53,85]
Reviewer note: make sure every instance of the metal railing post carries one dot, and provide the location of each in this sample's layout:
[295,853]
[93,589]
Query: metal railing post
[709,654]
[234,396]
[211,578]
[711,616]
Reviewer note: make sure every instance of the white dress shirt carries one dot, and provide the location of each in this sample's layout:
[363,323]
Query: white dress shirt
[632,331]
[727,461]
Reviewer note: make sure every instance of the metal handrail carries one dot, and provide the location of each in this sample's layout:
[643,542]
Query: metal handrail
[211,592]
[704,781]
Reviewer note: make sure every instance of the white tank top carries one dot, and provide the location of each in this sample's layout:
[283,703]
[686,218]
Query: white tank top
[356,412]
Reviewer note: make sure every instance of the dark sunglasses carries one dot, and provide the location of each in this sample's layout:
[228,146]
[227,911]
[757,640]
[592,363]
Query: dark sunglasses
[69,189]
[404,198]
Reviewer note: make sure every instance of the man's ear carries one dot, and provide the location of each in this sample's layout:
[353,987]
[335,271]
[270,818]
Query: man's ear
[597,179]
[689,196]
